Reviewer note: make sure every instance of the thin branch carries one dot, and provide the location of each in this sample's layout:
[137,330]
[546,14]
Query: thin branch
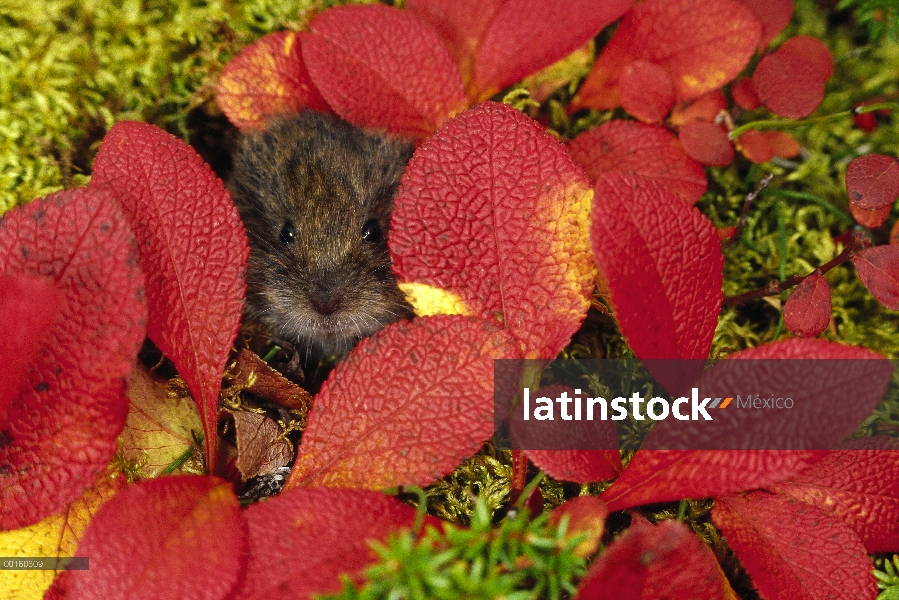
[744,214]
[858,242]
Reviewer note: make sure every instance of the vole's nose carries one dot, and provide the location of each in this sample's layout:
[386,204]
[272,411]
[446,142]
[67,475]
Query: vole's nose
[326,305]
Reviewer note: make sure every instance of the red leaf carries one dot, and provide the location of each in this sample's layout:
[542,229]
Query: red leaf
[461,24]
[755,146]
[869,218]
[872,181]
[705,108]
[662,262]
[666,475]
[809,349]
[586,516]
[774,16]
[788,84]
[267,78]
[702,44]
[382,68]
[404,407]
[493,212]
[579,466]
[830,398]
[762,146]
[725,233]
[743,92]
[782,143]
[193,249]
[29,307]
[655,561]
[541,440]
[646,90]
[878,268]
[866,121]
[139,542]
[793,550]
[807,310]
[636,149]
[500,42]
[62,429]
[859,485]
[812,49]
[302,540]
[706,143]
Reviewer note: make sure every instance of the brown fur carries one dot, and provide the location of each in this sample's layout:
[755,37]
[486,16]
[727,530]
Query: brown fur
[328,287]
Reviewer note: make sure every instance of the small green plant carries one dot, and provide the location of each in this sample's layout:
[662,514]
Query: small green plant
[881,17]
[518,559]
[888,579]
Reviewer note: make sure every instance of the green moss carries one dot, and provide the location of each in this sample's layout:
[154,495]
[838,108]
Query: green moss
[69,69]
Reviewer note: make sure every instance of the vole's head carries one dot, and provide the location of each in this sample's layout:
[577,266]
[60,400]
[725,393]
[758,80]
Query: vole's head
[315,195]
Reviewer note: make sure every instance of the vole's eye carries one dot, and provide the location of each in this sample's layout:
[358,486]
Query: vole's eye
[288,233]
[371,231]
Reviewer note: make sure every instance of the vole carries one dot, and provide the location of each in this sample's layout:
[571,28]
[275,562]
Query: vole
[315,195]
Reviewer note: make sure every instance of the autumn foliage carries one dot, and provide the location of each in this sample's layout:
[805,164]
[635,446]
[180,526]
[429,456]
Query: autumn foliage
[500,235]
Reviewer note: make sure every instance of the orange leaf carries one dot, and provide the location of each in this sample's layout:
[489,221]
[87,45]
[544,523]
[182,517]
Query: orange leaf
[380,67]
[648,151]
[702,44]
[493,213]
[744,95]
[706,143]
[62,425]
[302,541]
[870,218]
[705,108]
[662,262]
[586,516]
[499,42]
[755,146]
[789,84]
[404,407]
[650,562]
[774,15]
[782,144]
[138,541]
[267,78]
[812,49]
[794,550]
[647,91]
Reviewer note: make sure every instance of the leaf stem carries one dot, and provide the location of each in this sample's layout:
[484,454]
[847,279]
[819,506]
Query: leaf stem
[528,490]
[744,214]
[857,243]
[780,124]
[422,507]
